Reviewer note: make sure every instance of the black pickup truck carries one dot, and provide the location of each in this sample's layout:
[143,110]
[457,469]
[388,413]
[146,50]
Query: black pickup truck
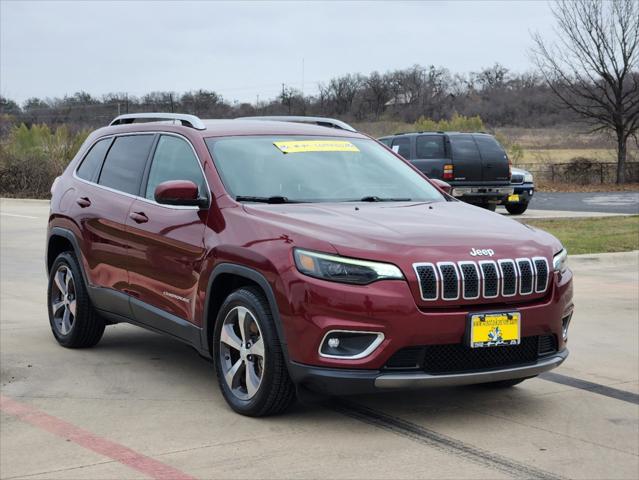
[474,164]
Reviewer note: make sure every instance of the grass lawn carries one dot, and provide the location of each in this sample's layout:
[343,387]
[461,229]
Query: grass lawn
[594,235]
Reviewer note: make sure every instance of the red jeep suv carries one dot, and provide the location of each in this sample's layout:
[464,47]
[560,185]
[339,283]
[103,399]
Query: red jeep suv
[301,256]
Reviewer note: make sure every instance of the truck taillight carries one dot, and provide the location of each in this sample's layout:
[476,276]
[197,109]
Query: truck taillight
[448,172]
[510,168]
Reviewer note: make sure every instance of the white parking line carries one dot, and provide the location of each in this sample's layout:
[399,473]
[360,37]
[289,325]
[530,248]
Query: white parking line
[17,216]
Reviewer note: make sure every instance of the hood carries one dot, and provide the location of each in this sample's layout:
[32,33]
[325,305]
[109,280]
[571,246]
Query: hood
[412,231]
[405,234]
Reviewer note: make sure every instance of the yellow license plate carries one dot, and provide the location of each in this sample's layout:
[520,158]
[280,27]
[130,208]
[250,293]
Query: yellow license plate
[513,198]
[494,329]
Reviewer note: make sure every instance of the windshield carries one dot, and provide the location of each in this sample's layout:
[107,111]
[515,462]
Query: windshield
[315,169]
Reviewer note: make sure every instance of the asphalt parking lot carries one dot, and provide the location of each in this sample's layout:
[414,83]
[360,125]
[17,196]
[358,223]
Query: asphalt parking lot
[608,202]
[143,406]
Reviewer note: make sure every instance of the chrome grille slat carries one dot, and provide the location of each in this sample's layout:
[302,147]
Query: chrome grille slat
[488,279]
[449,280]
[508,273]
[526,276]
[542,274]
[490,276]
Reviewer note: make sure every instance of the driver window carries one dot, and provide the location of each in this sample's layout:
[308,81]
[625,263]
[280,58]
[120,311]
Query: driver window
[174,160]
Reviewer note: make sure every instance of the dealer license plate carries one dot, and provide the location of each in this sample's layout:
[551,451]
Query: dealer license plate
[494,329]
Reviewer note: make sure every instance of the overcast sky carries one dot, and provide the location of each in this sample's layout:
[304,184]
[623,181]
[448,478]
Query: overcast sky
[242,50]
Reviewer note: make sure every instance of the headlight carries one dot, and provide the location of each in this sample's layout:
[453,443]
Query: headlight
[342,269]
[559,261]
[528,178]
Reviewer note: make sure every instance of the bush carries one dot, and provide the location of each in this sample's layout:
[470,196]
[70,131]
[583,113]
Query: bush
[457,123]
[31,158]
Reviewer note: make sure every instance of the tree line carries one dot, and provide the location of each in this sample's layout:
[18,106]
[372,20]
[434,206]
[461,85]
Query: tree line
[500,97]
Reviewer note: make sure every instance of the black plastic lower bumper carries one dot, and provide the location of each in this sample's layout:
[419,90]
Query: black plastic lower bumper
[333,381]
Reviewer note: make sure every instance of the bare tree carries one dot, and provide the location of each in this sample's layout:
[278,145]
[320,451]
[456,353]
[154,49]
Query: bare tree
[592,68]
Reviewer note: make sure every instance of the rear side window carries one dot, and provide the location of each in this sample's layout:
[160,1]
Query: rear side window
[430,146]
[92,161]
[402,146]
[173,160]
[124,164]
[490,148]
[464,148]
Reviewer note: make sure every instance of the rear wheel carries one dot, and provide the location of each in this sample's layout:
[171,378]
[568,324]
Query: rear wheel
[516,208]
[74,322]
[250,365]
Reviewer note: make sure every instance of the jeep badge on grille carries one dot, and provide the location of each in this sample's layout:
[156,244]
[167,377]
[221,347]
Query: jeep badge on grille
[486,252]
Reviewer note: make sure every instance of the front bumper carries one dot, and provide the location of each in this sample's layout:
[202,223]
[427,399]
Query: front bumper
[525,192]
[333,381]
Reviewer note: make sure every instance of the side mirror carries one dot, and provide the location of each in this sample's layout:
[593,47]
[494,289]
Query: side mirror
[179,192]
[444,186]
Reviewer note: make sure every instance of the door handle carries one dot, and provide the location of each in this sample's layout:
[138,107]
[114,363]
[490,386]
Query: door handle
[139,217]
[83,202]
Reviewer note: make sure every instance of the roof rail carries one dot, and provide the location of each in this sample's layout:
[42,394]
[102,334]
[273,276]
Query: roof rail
[186,120]
[321,121]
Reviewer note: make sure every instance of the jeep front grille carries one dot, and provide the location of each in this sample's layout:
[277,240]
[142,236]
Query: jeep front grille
[484,279]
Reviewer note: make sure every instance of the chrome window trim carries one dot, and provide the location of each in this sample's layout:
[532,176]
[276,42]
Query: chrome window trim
[493,263]
[503,278]
[137,197]
[533,280]
[365,353]
[443,264]
[419,282]
[548,272]
[463,278]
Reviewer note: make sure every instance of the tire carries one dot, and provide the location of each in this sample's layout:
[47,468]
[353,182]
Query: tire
[74,322]
[505,383]
[254,381]
[516,208]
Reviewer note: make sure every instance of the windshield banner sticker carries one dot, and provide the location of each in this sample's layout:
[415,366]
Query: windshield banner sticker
[300,146]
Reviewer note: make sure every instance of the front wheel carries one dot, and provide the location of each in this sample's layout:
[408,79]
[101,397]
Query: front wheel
[249,362]
[516,208]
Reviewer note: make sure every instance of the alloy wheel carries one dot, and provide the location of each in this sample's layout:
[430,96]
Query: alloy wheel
[242,353]
[63,300]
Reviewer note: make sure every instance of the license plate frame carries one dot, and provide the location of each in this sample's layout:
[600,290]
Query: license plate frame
[484,335]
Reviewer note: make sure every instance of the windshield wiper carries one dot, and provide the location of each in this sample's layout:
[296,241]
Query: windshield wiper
[272,199]
[374,198]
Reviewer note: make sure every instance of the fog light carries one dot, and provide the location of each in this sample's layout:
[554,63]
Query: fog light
[349,344]
[565,323]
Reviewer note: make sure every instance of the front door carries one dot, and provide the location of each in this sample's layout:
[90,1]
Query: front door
[167,242]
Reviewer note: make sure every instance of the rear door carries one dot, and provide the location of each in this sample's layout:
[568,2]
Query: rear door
[467,162]
[167,242]
[430,155]
[493,157]
[104,195]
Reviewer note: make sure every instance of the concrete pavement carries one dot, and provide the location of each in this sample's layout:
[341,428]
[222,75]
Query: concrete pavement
[140,405]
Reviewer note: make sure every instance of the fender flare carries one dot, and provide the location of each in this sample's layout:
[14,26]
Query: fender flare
[70,236]
[255,276]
